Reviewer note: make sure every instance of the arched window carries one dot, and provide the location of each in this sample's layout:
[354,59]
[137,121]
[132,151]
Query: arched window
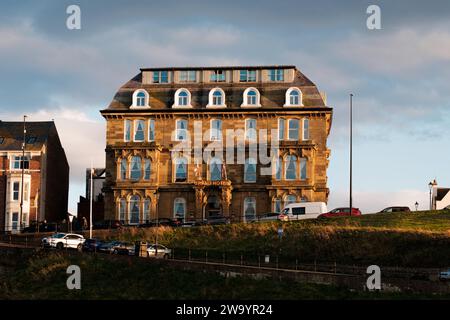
[182,98]
[147,169]
[249,209]
[293,97]
[277,205]
[215,169]
[291,168]
[251,98]
[293,129]
[123,169]
[181,169]
[290,199]
[136,168]
[140,99]
[179,208]
[250,170]
[216,98]
[122,210]
[139,126]
[135,211]
[146,212]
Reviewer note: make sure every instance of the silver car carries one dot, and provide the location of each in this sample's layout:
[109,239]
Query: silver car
[163,252]
[64,240]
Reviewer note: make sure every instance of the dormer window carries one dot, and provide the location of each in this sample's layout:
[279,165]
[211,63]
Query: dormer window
[216,98]
[140,99]
[160,77]
[182,99]
[218,76]
[294,98]
[251,98]
[247,75]
[188,76]
[276,75]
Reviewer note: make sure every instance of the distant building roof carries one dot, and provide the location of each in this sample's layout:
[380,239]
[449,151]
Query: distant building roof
[220,68]
[11,135]
[441,193]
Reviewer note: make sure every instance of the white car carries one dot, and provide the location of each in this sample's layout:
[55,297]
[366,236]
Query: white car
[163,252]
[64,240]
[444,275]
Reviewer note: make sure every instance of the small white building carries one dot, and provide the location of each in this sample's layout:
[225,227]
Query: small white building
[440,197]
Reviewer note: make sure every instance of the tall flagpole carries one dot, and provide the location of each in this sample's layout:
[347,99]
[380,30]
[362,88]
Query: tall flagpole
[351,150]
[90,202]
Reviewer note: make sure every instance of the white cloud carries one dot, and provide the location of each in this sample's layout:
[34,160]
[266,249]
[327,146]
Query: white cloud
[403,51]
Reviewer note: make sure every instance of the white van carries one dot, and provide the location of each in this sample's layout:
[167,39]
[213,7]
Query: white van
[304,210]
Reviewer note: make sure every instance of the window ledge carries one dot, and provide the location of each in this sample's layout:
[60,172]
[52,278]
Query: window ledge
[250,106]
[212,106]
[292,105]
[175,106]
[140,108]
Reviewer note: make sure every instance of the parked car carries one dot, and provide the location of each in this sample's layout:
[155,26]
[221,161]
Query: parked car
[91,245]
[444,275]
[216,220]
[395,209]
[272,216]
[163,252]
[124,248]
[304,210]
[107,224]
[341,212]
[64,240]
[108,247]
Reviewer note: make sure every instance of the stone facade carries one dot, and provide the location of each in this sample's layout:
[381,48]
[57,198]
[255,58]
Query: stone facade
[240,190]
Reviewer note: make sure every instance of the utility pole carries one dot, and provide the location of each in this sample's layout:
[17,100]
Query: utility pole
[22,162]
[351,151]
[90,202]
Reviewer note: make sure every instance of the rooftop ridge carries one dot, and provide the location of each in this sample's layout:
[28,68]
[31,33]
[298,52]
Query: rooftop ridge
[282,66]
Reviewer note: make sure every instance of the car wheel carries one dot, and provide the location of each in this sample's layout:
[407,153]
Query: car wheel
[80,247]
[115,251]
[59,246]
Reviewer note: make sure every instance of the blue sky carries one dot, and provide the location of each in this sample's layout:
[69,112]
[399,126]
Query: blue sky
[400,75]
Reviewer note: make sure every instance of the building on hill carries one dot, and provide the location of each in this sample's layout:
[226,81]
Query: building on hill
[440,197]
[180,143]
[45,175]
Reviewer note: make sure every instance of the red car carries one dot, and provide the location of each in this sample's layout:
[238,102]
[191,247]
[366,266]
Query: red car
[341,212]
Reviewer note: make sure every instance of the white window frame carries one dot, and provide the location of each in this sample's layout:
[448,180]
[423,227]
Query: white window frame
[176,103]
[175,165]
[188,73]
[214,75]
[247,77]
[159,72]
[305,129]
[245,103]
[211,99]
[185,130]
[147,99]
[287,102]
[211,130]
[289,129]
[277,72]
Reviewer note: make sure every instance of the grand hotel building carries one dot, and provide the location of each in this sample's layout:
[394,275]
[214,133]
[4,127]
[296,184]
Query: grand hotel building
[150,115]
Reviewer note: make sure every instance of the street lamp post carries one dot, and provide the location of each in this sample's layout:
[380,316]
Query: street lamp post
[22,162]
[351,151]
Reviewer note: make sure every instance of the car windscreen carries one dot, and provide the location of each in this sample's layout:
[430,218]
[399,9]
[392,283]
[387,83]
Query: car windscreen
[58,235]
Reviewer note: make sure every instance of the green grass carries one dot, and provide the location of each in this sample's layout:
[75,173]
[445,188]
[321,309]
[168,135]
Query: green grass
[43,275]
[417,239]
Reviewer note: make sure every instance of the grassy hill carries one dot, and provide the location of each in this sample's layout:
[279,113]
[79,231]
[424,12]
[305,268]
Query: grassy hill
[417,239]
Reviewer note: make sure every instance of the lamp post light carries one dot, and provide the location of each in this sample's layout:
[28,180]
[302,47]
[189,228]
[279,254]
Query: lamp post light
[416,205]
